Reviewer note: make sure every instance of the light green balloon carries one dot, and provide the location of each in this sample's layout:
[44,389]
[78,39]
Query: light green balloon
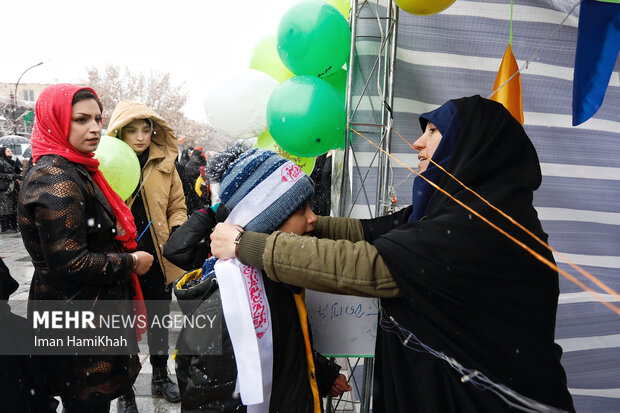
[305,116]
[266,59]
[314,39]
[343,6]
[266,141]
[119,165]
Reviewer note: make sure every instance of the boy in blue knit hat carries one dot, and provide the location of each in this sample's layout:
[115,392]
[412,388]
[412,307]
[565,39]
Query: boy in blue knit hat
[262,192]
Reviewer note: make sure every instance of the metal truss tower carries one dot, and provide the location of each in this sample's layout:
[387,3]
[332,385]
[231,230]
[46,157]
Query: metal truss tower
[369,102]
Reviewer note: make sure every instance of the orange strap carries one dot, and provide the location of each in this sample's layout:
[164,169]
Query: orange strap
[303,321]
[527,231]
[539,257]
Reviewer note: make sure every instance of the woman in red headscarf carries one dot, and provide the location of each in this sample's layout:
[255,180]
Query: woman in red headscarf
[79,234]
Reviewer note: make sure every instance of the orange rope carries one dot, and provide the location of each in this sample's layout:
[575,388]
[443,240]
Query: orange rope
[527,231]
[501,231]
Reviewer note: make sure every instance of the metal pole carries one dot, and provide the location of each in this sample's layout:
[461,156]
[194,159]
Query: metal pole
[386,116]
[15,96]
[367,385]
[329,397]
[329,404]
[350,69]
[390,99]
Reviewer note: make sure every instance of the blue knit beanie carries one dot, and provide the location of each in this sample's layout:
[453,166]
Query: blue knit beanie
[243,169]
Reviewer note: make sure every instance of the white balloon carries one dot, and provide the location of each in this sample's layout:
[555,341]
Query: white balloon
[236,105]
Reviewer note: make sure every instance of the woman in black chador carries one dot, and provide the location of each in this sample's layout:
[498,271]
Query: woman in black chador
[448,281]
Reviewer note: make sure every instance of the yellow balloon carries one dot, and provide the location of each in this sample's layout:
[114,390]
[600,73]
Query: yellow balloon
[265,58]
[424,7]
[266,141]
[343,6]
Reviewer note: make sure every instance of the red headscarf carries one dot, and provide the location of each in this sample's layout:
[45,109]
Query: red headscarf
[50,136]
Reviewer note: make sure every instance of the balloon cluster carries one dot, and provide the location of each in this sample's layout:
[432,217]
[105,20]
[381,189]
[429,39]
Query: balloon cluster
[292,95]
[306,113]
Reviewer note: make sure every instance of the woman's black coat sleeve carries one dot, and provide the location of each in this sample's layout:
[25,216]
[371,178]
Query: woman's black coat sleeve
[376,227]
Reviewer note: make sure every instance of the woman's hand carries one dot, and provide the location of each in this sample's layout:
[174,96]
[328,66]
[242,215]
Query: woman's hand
[144,262]
[339,386]
[223,240]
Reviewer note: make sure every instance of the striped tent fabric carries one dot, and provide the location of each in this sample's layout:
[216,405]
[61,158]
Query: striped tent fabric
[457,53]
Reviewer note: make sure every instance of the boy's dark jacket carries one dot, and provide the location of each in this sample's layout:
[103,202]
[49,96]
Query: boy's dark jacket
[209,381]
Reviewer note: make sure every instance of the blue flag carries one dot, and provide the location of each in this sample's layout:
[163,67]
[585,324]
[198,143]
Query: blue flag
[598,43]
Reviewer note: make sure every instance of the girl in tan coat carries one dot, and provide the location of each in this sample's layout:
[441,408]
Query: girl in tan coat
[158,207]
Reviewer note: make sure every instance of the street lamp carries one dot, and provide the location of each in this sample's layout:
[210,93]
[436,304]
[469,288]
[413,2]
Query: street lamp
[15,95]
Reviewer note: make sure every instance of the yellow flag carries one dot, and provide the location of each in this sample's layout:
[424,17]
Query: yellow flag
[510,94]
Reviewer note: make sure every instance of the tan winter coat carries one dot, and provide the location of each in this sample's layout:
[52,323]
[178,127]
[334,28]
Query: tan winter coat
[160,184]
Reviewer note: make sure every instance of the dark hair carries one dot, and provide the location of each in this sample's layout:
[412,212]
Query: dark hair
[150,122]
[85,94]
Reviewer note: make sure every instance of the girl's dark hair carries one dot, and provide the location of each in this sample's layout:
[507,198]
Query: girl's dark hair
[85,94]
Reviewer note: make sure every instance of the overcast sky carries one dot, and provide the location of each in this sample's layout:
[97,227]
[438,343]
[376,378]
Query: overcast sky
[196,41]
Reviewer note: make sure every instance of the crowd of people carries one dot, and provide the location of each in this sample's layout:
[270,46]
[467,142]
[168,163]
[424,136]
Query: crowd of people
[10,176]
[455,295]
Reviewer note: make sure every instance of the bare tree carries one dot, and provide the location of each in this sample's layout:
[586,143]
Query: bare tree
[198,134]
[157,92]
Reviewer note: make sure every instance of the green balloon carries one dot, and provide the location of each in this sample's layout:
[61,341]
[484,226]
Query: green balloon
[266,59]
[306,117]
[119,165]
[339,82]
[314,39]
